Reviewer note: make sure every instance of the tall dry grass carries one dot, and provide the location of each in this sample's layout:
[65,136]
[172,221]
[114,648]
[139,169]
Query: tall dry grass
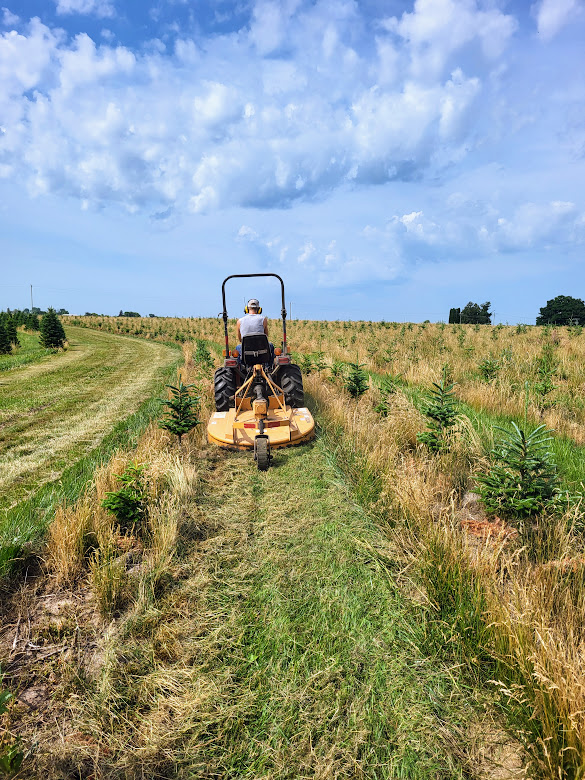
[420,352]
[513,615]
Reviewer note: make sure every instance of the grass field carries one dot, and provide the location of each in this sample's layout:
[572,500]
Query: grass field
[30,351]
[351,613]
[56,411]
[267,633]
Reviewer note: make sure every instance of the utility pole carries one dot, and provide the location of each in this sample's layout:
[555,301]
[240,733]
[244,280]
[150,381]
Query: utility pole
[290,310]
[31,300]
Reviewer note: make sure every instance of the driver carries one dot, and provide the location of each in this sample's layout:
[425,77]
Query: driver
[252,323]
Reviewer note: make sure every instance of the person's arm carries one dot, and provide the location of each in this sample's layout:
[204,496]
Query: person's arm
[238,334]
[266,325]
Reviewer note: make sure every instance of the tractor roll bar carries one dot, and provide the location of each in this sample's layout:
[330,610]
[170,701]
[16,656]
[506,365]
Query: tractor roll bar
[225,315]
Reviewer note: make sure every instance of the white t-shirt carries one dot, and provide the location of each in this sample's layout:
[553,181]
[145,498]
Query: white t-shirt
[251,324]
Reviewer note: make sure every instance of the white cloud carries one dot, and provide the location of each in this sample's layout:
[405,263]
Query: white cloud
[552,15]
[84,64]
[26,59]
[436,29]
[247,233]
[267,30]
[460,226]
[307,251]
[218,105]
[556,223]
[103,9]
[221,122]
[8,18]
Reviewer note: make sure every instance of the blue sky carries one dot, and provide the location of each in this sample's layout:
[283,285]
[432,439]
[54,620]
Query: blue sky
[389,159]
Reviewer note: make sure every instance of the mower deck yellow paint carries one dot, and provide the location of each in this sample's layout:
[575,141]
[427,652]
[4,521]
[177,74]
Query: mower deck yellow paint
[238,427]
[296,428]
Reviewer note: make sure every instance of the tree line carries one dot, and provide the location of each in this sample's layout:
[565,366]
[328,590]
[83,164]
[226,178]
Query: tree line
[562,310]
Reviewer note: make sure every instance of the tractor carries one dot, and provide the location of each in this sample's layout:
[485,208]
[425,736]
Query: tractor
[259,398]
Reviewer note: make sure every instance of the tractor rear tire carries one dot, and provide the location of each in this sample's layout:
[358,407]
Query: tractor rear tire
[225,388]
[262,449]
[291,381]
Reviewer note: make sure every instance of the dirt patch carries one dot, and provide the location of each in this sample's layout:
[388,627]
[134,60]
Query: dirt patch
[477,524]
[45,635]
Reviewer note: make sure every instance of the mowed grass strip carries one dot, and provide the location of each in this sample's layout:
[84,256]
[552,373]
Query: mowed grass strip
[29,351]
[55,411]
[287,652]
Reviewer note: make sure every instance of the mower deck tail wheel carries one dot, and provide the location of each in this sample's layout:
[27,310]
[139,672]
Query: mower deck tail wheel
[262,452]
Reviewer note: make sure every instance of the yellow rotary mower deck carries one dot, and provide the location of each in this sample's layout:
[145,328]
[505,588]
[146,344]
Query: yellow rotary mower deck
[269,417]
[283,429]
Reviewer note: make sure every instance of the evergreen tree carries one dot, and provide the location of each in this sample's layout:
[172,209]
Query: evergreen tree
[356,382]
[32,322]
[454,316]
[181,414]
[476,314]
[11,331]
[523,477]
[5,347]
[442,412]
[52,333]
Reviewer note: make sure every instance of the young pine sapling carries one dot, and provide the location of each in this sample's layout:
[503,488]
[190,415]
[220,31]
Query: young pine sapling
[356,382]
[129,503]
[523,478]
[442,413]
[182,412]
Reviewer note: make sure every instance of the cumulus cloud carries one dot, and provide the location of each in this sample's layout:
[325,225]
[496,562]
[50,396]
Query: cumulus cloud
[247,233]
[328,260]
[103,9]
[552,15]
[437,29]
[461,226]
[554,223]
[8,18]
[229,123]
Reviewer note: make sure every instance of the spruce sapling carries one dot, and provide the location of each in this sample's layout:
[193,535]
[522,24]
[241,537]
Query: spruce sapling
[203,355]
[129,503]
[11,331]
[181,415]
[388,387]
[356,382]
[523,478]
[441,409]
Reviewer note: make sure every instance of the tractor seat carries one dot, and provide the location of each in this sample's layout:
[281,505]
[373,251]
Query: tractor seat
[255,349]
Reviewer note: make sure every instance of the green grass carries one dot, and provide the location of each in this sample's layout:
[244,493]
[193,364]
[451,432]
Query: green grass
[62,418]
[26,523]
[30,351]
[54,412]
[568,456]
[296,656]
